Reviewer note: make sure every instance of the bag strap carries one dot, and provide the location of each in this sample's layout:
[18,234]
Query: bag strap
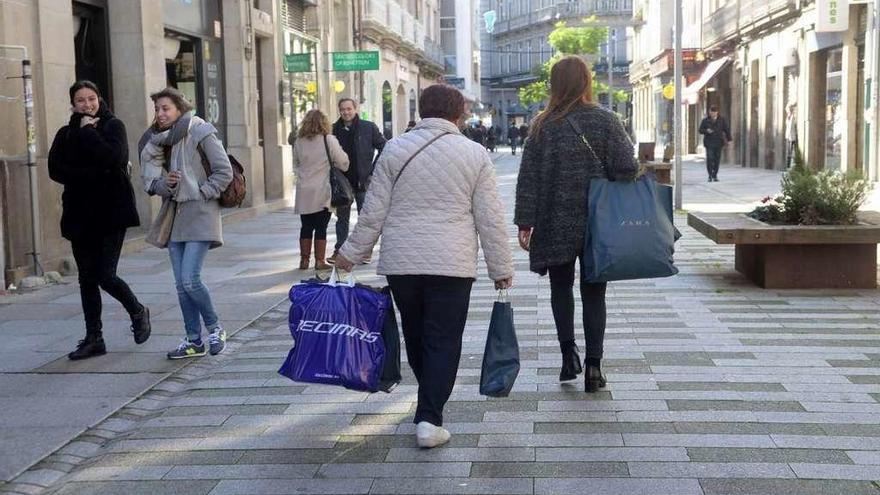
[327,150]
[577,130]
[416,154]
[206,164]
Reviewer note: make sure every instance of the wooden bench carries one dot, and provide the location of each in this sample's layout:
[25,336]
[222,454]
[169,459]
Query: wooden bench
[798,256]
[661,170]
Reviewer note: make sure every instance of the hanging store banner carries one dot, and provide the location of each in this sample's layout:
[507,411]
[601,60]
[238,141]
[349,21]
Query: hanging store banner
[298,62]
[832,16]
[345,61]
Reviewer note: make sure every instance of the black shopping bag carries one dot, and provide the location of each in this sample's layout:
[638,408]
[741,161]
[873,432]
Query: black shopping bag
[501,357]
[390,376]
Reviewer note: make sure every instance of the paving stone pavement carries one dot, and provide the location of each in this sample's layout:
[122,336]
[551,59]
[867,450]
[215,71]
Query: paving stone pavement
[715,387]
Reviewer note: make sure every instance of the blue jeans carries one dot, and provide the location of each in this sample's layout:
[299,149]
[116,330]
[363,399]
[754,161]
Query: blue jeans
[195,300]
[343,218]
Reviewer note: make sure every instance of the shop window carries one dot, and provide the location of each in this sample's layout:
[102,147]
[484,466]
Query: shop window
[181,67]
[834,110]
[387,100]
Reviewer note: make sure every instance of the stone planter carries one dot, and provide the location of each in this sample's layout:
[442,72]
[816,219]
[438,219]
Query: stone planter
[798,256]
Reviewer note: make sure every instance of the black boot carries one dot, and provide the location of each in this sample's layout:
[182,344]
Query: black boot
[92,345]
[140,326]
[571,362]
[593,377]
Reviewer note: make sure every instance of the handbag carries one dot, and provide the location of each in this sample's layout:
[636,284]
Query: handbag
[341,192]
[160,230]
[629,232]
[233,195]
[501,356]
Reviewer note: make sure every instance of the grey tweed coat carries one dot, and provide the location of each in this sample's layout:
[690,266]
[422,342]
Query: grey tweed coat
[554,177]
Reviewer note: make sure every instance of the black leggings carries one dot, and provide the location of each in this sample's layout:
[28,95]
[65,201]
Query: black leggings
[314,223]
[562,302]
[96,259]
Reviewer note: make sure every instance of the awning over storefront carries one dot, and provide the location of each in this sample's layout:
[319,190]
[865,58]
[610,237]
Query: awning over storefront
[691,93]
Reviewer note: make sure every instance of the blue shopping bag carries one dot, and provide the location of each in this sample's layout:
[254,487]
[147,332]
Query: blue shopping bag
[629,232]
[501,355]
[337,330]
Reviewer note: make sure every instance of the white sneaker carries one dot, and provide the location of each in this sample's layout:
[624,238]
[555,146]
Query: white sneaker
[429,436]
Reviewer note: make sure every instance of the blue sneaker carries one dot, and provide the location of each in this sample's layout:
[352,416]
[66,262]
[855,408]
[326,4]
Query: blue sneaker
[217,341]
[187,349]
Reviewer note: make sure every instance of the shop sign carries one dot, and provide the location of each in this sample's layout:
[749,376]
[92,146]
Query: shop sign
[832,16]
[456,82]
[298,62]
[348,61]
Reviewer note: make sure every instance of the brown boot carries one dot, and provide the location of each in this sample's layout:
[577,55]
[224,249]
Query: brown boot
[305,252]
[320,249]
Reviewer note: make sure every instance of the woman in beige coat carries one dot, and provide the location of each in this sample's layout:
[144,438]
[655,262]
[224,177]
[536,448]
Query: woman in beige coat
[311,165]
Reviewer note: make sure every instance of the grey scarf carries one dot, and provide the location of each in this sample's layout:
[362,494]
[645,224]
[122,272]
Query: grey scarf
[184,157]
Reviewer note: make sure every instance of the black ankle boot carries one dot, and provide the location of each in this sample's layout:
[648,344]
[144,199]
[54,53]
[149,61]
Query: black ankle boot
[140,326]
[593,377]
[91,346]
[571,363]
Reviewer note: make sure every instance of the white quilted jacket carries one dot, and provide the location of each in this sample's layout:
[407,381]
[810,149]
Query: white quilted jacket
[431,219]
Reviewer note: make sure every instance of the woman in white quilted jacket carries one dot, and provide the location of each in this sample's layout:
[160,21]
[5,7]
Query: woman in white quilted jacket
[433,199]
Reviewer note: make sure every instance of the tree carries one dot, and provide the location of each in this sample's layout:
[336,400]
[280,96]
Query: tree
[566,40]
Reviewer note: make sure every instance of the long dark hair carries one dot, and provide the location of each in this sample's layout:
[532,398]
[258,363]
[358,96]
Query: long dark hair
[571,85]
[84,83]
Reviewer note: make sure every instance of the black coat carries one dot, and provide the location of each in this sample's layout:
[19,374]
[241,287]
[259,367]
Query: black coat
[716,133]
[554,178]
[368,141]
[92,165]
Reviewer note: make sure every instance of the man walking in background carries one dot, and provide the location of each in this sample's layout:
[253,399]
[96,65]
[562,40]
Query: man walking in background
[716,134]
[361,141]
[513,136]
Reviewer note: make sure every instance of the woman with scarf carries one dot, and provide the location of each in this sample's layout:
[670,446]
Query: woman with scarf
[89,157]
[183,161]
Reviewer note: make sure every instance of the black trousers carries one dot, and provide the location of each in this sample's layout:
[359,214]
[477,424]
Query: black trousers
[713,160]
[562,302]
[314,224]
[96,259]
[433,312]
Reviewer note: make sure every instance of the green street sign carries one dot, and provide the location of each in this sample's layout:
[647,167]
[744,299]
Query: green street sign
[347,61]
[298,62]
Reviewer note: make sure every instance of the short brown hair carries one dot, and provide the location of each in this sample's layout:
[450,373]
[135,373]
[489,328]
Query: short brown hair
[176,97]
[441,101]
[315,123]
[343,100]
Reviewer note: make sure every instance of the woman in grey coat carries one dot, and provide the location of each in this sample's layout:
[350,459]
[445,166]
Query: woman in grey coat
[177,152]
[551,203]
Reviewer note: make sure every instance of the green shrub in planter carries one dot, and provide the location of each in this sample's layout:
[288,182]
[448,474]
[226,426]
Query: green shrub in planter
[812,197]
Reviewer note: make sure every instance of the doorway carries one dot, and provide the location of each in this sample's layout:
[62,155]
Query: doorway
[92,47]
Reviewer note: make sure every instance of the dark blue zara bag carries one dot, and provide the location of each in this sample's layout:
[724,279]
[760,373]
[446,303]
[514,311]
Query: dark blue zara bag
[629,234]
[501,356]
[339,330]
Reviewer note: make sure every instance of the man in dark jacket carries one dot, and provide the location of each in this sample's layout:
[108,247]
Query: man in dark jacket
[523,133]
[362,142]
[716,134]
[513,137]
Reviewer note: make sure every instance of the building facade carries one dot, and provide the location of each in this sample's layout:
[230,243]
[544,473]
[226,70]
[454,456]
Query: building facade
[406,35]
[755,60]
[460,42]
[517,46]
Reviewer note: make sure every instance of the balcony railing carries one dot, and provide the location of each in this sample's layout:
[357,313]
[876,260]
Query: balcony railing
[750,15]
[566,12]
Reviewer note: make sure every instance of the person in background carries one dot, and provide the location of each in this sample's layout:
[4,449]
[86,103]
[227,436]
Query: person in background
[311,164]
[791,135]
[523,134]
[491,139]
[89,157]
[410,125]
[716,135]
[362,142]
[513,136]
[175,152]
[551,204]
[478,133]
[429,253]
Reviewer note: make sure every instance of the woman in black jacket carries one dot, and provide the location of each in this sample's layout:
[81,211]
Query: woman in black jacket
[551,203]
[89,157]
